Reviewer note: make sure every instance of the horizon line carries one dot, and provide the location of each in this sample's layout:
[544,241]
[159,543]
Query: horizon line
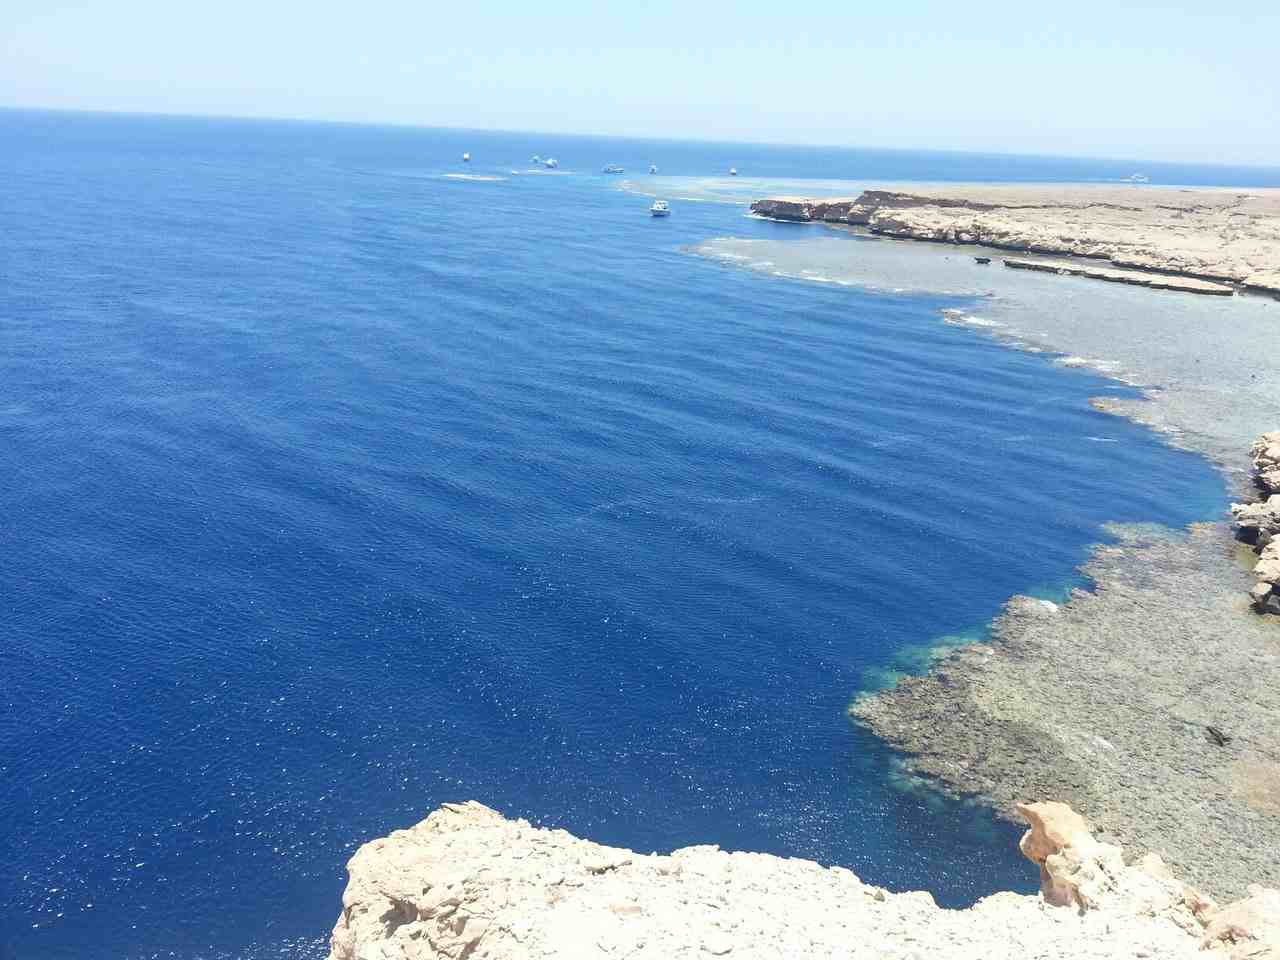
[407,125]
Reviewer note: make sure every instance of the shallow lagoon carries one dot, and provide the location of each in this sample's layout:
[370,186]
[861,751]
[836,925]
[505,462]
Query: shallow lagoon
[1200,359]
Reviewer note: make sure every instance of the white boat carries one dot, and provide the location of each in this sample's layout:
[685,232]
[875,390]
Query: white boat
[660,208]
[613,168]
[466,158]
[1138,178]
[535,159]
[551,163]
[733,171]
[653,168]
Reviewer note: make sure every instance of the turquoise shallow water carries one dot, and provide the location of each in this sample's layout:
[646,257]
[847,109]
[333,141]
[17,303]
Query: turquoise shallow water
[339,488]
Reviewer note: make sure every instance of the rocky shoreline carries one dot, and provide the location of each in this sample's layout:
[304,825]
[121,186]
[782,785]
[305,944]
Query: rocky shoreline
[1150,702]
[1222,238]
[1258,524]
[469,883]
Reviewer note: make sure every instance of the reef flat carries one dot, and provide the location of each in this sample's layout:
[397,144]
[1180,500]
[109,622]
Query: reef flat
[1107,702]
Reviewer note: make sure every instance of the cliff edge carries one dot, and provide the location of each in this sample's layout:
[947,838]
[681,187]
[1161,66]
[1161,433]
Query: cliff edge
[469,883]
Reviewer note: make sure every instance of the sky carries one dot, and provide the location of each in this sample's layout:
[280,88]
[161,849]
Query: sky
[1151,81]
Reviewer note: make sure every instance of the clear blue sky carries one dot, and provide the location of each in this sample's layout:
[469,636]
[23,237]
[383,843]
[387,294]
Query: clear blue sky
[1173,81]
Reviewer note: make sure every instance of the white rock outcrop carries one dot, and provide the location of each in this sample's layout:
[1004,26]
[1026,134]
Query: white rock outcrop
[1265,454]
[469,884]
[1259,523]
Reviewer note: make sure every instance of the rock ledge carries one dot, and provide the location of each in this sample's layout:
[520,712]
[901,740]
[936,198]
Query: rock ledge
[469,883]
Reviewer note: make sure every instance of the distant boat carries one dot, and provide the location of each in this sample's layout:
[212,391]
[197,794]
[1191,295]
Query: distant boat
[613,168]
[1138,178]
[551,163]
[653,168]
[733,171]
[982,260]
[466,158]
[535,159]
[660,208]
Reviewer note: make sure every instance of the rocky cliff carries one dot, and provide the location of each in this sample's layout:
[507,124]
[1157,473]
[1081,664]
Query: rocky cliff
[469,883]
[1215,235]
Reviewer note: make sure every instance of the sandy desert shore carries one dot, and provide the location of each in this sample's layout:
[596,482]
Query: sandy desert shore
[1227,236]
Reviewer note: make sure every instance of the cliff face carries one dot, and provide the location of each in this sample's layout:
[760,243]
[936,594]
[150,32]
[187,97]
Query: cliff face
[468,883]
[1224,236]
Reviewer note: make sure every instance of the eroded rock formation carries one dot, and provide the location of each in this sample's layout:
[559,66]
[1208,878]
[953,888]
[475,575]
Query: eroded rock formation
[1258,524]
[1265,454]
[1140,278]
[469,883]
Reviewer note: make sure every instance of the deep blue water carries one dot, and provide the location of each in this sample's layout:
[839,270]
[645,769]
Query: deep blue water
[335,490]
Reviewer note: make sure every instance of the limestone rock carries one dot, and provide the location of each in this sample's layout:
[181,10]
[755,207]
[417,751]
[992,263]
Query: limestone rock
[1078,871]
[1053,827]
[1258,523]
[1267,568]
[1248,928]
[469,883]
[1265,454]
[801,210]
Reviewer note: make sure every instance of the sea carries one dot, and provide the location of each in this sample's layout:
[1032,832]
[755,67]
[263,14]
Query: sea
[343,479]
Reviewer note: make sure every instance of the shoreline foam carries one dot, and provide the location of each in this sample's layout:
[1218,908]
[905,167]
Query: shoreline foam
[1208,382]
